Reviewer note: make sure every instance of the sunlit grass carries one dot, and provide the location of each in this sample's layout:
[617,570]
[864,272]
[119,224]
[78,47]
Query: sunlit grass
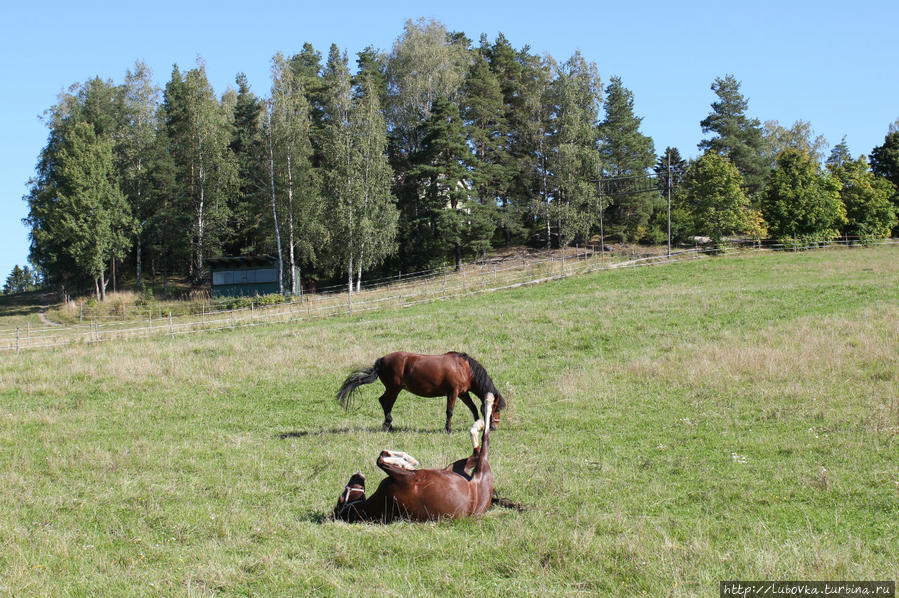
[671,427]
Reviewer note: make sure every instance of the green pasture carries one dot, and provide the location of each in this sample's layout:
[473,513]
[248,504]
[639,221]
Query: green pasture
[734,417]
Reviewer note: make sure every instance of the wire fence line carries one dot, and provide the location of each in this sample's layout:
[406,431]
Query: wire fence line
[485,276]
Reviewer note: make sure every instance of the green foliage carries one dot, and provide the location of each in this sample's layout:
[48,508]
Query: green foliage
[737,137]
[713,193]
[885,158]
[442,176]
[359,206]
[866,197]
[625,151]
[20,280]
[802,203]
[573,159]
[799,137]
[199,131]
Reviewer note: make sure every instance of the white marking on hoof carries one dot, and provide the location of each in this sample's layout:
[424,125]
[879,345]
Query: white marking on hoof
[404,456]
[400,459]
[475,431]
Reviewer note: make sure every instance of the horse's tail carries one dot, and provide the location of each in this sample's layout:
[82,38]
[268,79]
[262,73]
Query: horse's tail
[482,383]
[354,381]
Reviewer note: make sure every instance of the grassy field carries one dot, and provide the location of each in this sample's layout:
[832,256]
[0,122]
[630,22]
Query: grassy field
[670,427]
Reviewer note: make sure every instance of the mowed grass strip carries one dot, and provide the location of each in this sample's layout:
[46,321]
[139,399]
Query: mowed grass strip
[670,427]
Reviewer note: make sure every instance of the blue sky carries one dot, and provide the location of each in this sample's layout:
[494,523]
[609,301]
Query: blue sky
[834,64]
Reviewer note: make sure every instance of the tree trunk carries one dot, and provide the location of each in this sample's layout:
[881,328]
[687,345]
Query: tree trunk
[140,284]
[350,275]
[359,276]
[292,258]
[102,287]
[97,288]
[271,172]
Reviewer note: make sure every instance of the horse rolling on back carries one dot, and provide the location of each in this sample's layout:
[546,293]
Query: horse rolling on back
[463,488]
[452,375]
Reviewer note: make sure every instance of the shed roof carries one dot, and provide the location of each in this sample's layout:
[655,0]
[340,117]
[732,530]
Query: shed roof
[240,261]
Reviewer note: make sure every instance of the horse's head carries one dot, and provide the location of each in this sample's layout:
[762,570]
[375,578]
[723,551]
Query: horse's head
[498,405]
[352,495]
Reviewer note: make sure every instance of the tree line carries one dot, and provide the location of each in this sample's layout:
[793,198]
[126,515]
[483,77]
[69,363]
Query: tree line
[438,149]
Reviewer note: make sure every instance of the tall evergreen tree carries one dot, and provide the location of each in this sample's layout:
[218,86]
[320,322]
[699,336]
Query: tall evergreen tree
[524,81]
[447,217]
[487,131]
[626,152]
[839,155]
[737,136]
[246,227]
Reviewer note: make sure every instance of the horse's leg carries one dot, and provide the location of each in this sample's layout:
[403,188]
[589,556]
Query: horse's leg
[466,398]
[450,406]
[387,400]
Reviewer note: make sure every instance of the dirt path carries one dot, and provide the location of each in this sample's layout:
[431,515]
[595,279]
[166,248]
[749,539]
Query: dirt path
[42,316]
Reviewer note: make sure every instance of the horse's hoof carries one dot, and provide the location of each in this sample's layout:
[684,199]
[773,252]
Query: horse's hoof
[447,431]
[387,428]
[492,427]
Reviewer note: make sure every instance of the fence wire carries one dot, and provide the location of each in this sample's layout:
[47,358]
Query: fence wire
[390,293]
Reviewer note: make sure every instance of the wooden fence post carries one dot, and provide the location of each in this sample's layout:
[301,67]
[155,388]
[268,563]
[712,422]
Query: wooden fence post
[171,326]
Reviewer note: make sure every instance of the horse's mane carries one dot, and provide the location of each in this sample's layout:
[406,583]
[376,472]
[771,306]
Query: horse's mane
[481,381]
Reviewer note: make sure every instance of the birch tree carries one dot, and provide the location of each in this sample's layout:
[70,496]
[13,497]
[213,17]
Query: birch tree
[291,131]
[359,208]
[199,134]
[140,105]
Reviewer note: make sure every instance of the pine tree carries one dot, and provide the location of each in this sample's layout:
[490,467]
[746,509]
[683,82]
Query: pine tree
[839,155]
[626,152]
[487,132]
[247,232]
[738,137]
[442,177]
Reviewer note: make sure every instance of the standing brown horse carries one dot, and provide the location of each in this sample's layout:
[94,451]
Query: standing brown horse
[462,489]
[452,375]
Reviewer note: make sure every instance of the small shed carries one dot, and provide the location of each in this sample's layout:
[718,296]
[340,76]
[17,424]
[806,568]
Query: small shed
[244,275]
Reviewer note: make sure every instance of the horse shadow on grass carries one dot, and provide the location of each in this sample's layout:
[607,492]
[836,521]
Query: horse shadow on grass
[321,518]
